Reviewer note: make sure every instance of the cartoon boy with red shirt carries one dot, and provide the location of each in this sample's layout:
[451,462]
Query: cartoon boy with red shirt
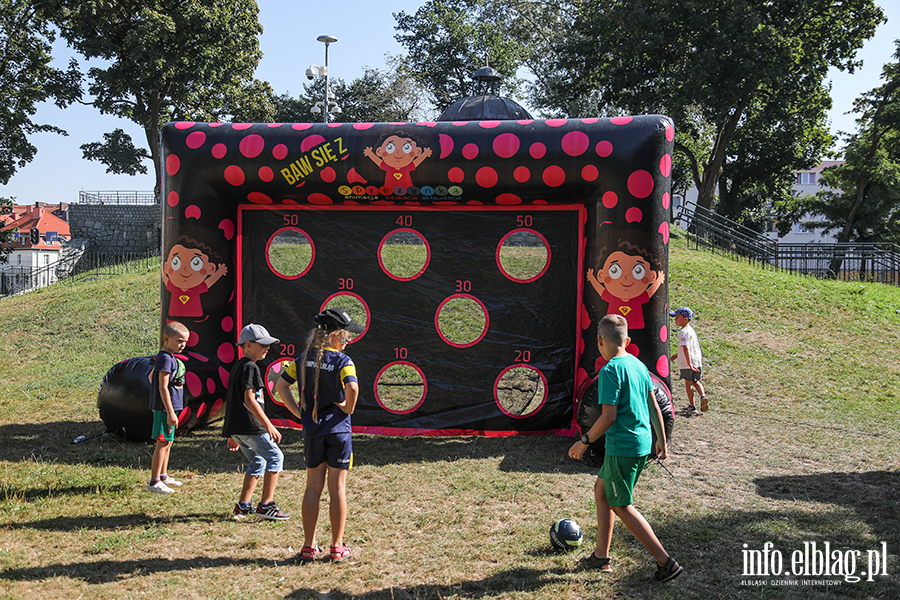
[627,281]
[187,273]
[398,156]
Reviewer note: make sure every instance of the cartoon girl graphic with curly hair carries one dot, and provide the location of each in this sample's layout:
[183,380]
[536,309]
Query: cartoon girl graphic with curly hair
[631,273]
[188,272]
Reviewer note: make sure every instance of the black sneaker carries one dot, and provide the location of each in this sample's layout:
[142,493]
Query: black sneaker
[240,512]
[271,512]
[689,410]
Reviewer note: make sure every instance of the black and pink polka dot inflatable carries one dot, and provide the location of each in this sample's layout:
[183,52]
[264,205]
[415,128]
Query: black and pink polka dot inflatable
[477,255]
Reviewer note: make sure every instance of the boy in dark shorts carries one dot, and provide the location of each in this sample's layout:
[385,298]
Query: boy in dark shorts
[629,409]
[166,400]
[690,360]
[329,390]
[247,425]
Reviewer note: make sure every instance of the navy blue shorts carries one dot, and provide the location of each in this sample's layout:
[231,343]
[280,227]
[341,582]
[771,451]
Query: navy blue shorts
[336,448]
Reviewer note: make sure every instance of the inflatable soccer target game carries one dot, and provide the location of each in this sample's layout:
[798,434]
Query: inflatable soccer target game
[478,255]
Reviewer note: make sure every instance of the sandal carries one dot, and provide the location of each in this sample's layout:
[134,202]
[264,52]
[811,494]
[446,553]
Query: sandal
[668,571]
[339,553]
[595,562]
[309,553]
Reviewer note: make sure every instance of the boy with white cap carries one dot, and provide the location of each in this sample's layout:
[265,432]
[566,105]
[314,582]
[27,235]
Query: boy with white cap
[250,430]
[690,359]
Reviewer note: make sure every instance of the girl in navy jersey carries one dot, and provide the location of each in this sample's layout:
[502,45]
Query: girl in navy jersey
[329,390]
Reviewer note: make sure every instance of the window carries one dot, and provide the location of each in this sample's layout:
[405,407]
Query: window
[804,228]
[806,178]
[46,259]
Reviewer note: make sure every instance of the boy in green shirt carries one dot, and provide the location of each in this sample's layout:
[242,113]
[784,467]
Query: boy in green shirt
[629,408]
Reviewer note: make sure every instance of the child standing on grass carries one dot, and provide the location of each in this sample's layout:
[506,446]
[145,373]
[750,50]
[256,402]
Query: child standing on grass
[247,426]
[329,390]
[690,359]
[166,399]
[629,409]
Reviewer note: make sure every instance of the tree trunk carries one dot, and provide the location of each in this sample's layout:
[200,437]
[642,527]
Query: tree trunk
[706,191]
[837,260]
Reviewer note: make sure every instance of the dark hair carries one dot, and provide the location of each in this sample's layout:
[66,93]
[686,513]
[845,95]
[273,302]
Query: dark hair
[634,243]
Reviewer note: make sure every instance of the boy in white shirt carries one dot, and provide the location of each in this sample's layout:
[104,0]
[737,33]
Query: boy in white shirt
[690,359]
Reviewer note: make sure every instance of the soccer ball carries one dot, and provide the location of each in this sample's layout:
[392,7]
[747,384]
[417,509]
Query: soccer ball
[565,534]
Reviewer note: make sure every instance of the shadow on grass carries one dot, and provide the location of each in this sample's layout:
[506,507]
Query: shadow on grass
[132,521]
[518,580]
[710,547]
[107,571]
[872,495]
[203,450]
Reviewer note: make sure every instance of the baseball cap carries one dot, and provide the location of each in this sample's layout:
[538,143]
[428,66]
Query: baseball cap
[684,311]
[256,333]
[332,319]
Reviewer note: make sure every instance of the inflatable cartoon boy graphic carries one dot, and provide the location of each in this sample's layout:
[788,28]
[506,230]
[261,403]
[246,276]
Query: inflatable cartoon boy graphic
[631,273]
[398,156]
[187,273]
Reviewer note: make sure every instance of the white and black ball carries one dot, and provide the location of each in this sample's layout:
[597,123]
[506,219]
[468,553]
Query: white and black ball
[565,534]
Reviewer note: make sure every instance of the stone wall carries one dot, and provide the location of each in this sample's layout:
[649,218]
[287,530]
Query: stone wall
[119,228]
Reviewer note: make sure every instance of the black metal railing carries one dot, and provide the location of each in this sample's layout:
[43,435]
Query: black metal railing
[117,197]
[708,229]
[846,261]
[87,266]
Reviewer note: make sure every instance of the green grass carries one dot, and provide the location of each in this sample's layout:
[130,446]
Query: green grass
[400,387]
[800,445]
[290,257]
[523,262]
[404,260]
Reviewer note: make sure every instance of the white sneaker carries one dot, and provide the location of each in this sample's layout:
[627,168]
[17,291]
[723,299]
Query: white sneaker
[159,488]
[169,481]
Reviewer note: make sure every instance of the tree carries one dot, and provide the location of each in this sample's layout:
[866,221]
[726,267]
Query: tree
[731,65]
[862,197]
[27,79]
[378,96]
[448,40]
[163,60]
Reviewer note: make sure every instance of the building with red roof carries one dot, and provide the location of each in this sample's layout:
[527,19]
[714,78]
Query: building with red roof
[37,238]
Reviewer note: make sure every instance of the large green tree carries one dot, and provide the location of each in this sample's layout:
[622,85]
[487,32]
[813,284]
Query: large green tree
[378,96]
[448,40]
[740,70]
[27,79]
[861,198]
[163,60]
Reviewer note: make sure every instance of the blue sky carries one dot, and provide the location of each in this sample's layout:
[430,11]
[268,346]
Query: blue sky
[365,32]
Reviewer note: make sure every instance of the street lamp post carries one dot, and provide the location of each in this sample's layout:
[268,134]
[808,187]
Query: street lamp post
[328,105]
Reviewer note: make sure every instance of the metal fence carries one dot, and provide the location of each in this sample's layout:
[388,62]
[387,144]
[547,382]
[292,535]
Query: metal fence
[116,197]
[850,262]
[713,231]
[846,261]
[84,267]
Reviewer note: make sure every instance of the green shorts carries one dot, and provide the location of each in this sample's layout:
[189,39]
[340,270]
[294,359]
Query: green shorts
[619,475]
[161,431]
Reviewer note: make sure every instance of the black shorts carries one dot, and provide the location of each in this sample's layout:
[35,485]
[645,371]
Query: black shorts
[336,448]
